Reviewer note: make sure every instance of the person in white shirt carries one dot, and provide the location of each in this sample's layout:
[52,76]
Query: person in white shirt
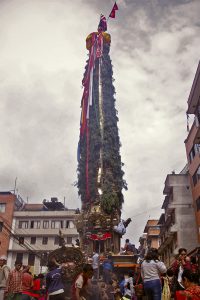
[128,286]
[4,272]
[95,265]
[80,285]
[151,269]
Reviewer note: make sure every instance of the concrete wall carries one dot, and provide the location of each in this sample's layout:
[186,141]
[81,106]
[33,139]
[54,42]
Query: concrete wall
[179,226]
[184,213]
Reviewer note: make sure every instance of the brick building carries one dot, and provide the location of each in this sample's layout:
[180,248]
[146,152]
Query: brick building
[192,144]
[8,203]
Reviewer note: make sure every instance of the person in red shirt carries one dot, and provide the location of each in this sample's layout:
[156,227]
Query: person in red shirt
[190,283]
[181,263]
[194,265]
[27,283]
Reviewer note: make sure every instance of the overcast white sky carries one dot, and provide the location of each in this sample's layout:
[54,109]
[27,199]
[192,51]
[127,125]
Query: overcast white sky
[155,52]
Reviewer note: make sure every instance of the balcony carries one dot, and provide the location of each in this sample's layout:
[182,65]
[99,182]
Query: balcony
[194,93]
[196,129]
[44,232]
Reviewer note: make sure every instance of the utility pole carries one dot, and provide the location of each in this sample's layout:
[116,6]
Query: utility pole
[15,185]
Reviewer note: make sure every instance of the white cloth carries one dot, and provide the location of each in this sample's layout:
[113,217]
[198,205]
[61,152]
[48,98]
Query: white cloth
[180,272]
[95,261]
[129,291]
[79,282]
[120,228]
[57,292]
[4,272]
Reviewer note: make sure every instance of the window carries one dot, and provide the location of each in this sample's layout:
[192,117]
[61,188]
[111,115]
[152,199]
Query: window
[44,259]
[155,227]
[56,240]
[53,224]
[31,259]
[56,224]
[45,240]
[196,176]
[21,240]
[198,203]
[192,154]
[69,240]
[194,151]
[23,224]
[19,257]
[35,224]
[2,207]
[1,226]
[45,224]
[33,240]
[69,224]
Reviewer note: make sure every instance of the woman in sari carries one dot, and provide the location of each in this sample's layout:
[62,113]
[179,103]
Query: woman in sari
[190,283]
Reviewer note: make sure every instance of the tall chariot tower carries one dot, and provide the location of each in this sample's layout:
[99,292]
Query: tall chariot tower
[100,175]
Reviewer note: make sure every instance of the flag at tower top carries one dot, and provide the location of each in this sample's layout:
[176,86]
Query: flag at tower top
[112,14]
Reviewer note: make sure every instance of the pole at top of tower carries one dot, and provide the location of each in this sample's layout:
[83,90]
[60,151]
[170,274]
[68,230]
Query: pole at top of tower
[102,24]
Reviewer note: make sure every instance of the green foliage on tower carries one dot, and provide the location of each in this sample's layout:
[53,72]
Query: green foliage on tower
[112,181]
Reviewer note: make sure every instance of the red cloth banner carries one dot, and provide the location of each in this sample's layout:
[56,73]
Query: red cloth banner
[88,77]
[100,237]
[96,51]
[112,14]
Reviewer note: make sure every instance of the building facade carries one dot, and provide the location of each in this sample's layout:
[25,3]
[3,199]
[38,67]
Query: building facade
[177,223]
[37,230]
[152,230]
[192,144]
[8,203]
[142,249]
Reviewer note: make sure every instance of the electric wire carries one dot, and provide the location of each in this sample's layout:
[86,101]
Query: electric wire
[11,234]
[144,212]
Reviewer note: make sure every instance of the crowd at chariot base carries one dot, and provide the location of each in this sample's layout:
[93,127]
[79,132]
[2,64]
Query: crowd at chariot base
[98,279]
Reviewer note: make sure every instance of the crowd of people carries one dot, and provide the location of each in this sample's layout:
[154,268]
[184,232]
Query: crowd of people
[151,280]
[19,283]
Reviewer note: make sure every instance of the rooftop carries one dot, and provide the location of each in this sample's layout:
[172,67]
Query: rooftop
[34,207]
